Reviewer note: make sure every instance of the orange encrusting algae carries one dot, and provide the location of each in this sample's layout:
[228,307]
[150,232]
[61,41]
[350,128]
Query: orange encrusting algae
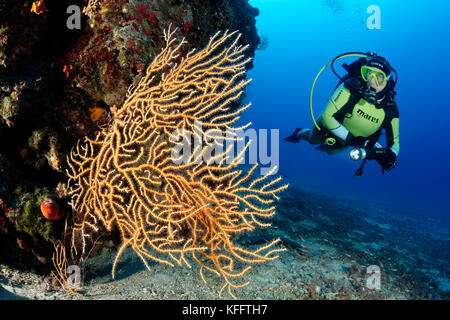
[67,70]
[96,113]
[175,213]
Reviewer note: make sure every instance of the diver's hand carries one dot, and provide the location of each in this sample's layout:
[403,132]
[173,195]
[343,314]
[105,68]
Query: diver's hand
[384,156]
[353,141]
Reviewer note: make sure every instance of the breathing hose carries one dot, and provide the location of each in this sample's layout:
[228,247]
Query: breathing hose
[344,55]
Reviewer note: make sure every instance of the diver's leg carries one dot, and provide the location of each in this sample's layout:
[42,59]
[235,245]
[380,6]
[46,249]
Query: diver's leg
[336,150]
[313,136]
[334,146]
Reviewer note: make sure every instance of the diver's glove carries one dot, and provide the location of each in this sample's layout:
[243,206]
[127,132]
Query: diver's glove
[353,141]
[384,156]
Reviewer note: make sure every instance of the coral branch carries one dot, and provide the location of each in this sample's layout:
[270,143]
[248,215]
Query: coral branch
[165,211]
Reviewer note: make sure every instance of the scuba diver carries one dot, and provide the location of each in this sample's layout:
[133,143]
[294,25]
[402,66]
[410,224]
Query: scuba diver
[361,106]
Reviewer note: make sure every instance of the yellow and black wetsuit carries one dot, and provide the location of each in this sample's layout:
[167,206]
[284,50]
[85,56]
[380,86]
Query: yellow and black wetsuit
[348,112]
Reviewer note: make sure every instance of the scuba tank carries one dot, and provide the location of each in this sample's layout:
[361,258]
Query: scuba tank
[352,70]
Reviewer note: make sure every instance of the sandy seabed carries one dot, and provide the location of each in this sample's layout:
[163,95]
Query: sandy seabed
[332,246]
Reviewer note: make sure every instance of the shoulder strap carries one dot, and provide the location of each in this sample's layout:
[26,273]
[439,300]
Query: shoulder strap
[391,111]
[355,96]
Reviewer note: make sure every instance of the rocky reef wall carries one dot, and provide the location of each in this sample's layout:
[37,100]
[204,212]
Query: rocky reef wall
[57,85]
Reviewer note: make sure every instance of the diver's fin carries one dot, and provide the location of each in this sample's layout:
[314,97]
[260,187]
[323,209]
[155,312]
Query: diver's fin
[293,137]
[320,148]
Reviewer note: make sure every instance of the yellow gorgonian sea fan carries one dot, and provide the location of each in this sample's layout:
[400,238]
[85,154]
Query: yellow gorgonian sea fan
[167,211]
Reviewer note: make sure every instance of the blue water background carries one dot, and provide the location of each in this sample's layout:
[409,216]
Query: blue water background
[303,35]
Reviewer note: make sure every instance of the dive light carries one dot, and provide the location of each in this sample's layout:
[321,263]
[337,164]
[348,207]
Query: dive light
[358,154]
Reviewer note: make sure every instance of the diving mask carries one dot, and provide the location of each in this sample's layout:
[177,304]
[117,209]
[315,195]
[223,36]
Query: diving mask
[378,75]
